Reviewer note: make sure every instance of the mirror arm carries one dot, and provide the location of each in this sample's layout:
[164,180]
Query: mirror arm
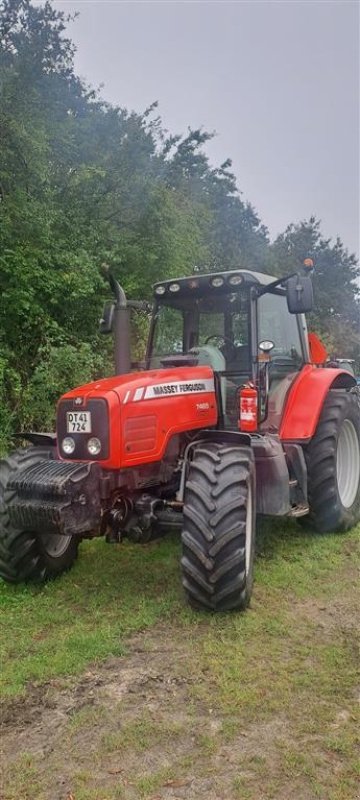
[307,266]
[274,284]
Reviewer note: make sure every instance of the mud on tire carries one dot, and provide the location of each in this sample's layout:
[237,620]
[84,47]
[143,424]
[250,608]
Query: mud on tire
[219,528]
[28,555]
[333,461]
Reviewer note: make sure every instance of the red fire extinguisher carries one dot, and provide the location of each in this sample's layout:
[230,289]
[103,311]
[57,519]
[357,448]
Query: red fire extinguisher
[248,408]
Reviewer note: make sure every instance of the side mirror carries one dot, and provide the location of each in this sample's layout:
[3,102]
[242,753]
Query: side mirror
[107,320]
[299,294]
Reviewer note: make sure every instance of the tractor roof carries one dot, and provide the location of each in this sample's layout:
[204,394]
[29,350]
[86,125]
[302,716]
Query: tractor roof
[232,280]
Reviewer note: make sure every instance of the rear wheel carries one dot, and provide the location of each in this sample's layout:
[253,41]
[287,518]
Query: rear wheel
[333,460]
[219,528]
[29,555]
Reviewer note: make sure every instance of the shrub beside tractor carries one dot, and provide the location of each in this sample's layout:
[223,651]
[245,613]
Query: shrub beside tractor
[233,414]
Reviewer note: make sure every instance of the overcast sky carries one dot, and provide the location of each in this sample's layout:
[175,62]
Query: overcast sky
[277,81]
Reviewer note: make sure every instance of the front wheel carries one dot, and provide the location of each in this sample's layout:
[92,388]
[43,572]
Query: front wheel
[333,461]
[29,555]
[218,537]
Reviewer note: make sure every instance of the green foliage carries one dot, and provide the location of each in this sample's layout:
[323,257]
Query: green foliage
[59,369]
[83,183]
[10,394]
[336,317]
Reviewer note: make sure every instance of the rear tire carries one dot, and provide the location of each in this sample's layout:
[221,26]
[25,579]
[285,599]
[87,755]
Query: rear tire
[218,537]
[29,555]
[333,461]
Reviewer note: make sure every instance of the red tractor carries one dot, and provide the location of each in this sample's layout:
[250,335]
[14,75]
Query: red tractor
[229,417]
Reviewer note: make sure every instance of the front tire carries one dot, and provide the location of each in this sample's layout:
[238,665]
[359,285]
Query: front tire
[218,537]
[333,461]
[29,555]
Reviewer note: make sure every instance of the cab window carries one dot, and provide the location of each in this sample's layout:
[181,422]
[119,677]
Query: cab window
[277,325]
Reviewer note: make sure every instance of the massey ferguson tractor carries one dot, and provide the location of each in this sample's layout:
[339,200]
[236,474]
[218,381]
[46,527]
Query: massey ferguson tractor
[233,414]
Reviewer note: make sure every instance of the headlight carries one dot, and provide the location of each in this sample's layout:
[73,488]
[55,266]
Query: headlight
[94,446]
[235,280]
[68,445]
[160,290]
[216,282]
[174,287]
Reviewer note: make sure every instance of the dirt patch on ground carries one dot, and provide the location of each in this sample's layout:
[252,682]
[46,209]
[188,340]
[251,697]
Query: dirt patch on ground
[131,726]
[207,708]
[134,728]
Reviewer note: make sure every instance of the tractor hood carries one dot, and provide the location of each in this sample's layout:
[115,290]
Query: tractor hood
[147,385]
[134,416]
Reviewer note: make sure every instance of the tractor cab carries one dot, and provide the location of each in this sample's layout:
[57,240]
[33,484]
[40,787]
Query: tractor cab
[236,322]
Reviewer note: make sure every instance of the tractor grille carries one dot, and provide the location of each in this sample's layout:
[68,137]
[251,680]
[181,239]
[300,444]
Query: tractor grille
[140,434]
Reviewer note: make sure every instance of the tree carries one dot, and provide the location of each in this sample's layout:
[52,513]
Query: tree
[235,235]
[336,315]
[82,183]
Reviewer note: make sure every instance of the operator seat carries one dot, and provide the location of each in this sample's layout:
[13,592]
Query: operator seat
[239,359]
[210,356]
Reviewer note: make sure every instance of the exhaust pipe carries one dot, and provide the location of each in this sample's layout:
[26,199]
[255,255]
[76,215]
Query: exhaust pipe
[121,327]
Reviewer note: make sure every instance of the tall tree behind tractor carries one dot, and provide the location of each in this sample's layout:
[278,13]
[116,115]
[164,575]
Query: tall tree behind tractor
[233,414]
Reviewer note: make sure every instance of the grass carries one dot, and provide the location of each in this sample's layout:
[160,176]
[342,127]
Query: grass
[262,699]
[139,735]
[25,780]
[114,591]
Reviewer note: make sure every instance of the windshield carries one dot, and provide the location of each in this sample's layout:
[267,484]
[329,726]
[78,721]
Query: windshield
[216,329]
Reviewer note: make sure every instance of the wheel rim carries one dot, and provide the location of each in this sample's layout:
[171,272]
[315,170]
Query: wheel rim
[348,464]
[248,529]
[54,544]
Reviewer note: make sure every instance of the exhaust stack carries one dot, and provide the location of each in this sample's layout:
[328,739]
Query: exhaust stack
[119,322]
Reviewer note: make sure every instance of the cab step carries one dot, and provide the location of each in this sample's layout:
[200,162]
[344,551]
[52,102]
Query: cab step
[299,511]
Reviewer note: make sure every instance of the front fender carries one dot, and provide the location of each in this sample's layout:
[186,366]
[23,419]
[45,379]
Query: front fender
[306,398]
[38,439]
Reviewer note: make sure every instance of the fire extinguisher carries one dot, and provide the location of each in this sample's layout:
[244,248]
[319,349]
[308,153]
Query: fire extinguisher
[248,408]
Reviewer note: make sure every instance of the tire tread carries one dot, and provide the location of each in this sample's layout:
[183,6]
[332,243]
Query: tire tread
[21,557]
[326,510]
[213,538]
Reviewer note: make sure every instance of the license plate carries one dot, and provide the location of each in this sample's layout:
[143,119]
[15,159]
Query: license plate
[78,421]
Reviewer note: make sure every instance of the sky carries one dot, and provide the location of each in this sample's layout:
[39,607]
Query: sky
[279,83]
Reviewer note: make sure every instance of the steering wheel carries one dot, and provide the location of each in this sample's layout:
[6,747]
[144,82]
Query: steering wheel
[231,350]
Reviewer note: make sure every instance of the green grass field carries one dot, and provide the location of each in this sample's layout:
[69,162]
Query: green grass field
[292,658]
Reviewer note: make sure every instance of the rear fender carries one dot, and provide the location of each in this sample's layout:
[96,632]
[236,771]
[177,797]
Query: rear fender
[306,398]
